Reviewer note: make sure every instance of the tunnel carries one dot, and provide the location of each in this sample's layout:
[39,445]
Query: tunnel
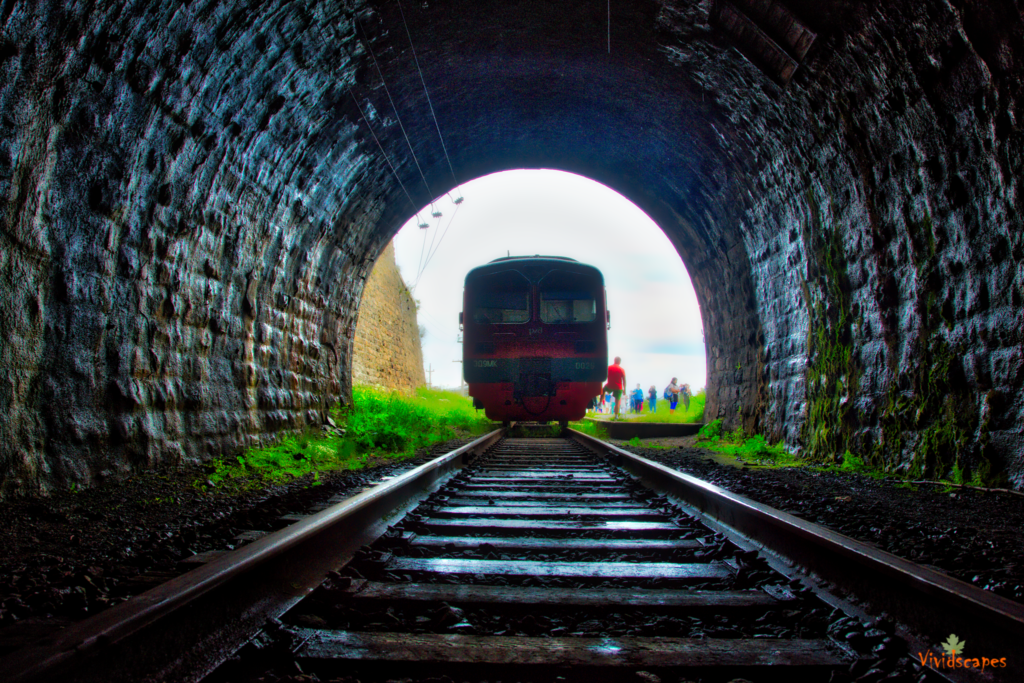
[195,192]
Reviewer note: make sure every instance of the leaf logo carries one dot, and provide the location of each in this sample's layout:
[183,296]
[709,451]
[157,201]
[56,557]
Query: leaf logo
[953,645]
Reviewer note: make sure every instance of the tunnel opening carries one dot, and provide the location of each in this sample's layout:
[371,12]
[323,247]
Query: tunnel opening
[656,321]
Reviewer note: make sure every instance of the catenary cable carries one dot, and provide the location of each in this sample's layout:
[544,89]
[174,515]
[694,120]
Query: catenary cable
[431,254]
[366,41]
[383,153]
[423,249]
[430,249]
[427,93]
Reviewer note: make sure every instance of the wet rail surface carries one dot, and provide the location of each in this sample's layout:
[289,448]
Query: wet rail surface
[536,560]
[540,562]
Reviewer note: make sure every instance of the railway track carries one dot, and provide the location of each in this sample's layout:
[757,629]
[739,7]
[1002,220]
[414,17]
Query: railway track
[536,559]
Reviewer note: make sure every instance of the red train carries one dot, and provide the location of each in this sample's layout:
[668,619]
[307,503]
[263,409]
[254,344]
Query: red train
[535,347]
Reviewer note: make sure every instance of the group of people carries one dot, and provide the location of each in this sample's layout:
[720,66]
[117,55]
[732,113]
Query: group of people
[615,390]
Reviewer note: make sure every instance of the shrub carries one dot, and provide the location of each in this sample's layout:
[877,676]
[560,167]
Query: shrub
[757,447]
[710,431]
[852,463]
[753,449]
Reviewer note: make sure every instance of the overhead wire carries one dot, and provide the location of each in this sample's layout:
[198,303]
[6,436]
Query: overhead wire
[429,103]
[430,249]
[433,115]
[431,254]
[419,266]
[433,322]
[366,41]
[383,153]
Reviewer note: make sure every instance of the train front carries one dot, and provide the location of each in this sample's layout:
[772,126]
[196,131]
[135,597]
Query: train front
[535,344]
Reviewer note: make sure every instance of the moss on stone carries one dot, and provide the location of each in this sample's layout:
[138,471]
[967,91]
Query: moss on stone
[833,374]
[933,420]
[930,424]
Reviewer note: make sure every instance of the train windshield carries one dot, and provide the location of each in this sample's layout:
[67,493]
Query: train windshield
[501,298]
[566,298]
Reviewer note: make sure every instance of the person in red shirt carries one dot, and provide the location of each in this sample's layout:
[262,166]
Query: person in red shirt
[616,382]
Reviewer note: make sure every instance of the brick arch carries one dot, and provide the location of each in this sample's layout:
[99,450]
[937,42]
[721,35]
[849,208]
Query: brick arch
[193,200]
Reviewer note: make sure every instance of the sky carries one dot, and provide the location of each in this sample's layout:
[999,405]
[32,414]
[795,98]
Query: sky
[656,323]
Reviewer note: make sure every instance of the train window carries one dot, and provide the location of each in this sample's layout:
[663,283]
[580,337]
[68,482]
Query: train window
[565,299]
[501,298]
[567,307]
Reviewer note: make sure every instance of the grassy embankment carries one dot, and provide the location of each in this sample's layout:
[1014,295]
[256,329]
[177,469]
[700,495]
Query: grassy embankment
[379,427]
[695,413]
[755,450]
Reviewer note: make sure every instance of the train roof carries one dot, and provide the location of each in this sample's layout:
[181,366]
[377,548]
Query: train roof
[537,256]
[534,266]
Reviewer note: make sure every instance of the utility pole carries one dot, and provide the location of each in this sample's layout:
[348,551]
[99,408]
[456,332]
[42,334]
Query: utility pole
[462,379]
[430,376]
[462,375]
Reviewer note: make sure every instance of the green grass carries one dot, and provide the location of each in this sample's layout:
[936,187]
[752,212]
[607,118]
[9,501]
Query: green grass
[442,402]
[637,443]
[662,414]
[851,463]
[756,450]
[751,449]
[590,428]
[396,424]
[380,426]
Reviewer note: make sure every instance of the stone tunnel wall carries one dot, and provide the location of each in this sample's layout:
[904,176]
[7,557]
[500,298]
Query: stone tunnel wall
[386,351]
[887,247]
[882,221]
[192,196]
[174,284]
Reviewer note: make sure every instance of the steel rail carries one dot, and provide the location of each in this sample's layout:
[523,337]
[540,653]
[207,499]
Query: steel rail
[929,603]
[181,629]
[422,642]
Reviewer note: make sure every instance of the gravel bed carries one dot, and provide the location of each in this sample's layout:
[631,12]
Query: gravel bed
[976,536]
[72,555]
[323,612]
[880,653]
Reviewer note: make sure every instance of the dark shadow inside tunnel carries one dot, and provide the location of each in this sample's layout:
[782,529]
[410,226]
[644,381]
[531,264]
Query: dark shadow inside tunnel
[194,195]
